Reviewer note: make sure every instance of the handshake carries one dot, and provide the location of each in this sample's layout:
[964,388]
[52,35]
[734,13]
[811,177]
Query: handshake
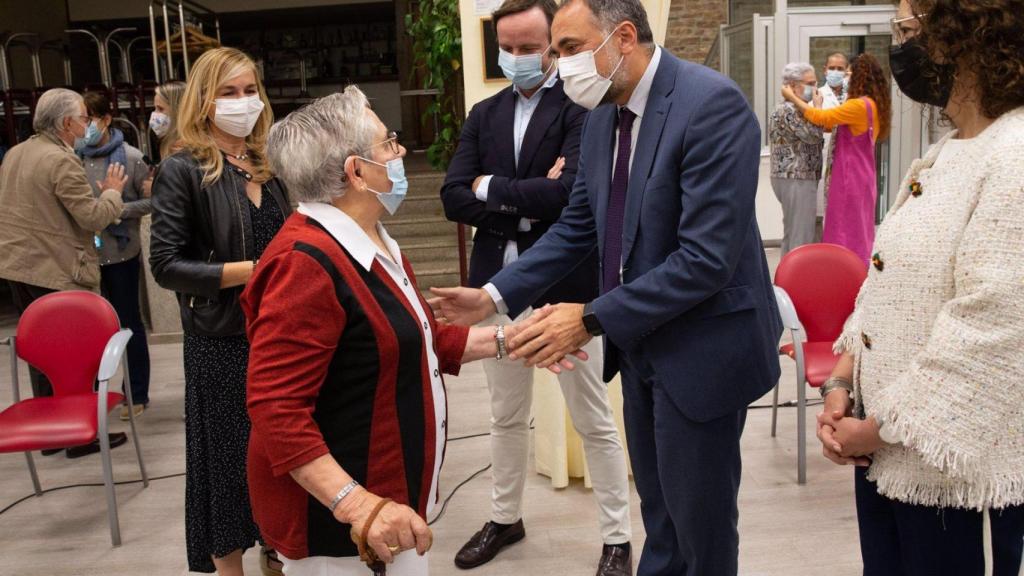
[548,339]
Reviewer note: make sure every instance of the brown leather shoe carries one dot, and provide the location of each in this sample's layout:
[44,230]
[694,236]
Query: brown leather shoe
[485,544]
[615,561]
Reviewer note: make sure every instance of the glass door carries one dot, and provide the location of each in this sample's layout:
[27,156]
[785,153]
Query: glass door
[814,33]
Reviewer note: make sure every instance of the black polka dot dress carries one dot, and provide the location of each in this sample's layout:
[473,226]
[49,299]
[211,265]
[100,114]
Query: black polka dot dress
[218,516]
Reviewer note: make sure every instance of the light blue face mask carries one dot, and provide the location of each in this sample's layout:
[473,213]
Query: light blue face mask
[834,78]
[399,185]
[92,137]
[808,93]
[523,71]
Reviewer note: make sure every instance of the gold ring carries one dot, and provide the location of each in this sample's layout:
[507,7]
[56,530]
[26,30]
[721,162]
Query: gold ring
[394,549]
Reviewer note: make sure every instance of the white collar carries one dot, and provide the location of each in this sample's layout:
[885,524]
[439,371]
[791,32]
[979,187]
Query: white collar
[345,230]
[551,81]
[638,101]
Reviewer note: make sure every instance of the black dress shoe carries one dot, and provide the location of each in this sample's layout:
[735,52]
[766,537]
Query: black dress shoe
[116,440]
[615,561]
[485,544]
[50,451]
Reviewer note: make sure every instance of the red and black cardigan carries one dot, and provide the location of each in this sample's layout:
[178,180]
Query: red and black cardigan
[338,365]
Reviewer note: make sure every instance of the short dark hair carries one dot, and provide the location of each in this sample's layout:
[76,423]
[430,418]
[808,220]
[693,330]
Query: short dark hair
[97,104]
[510,7]
[613,12]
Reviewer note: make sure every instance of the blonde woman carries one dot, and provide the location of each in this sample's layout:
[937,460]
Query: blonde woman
[216,206]
[162,120]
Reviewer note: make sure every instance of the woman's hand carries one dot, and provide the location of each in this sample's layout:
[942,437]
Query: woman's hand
[818,99]
[838,405]
[857,438]
[395,529]
[788,94]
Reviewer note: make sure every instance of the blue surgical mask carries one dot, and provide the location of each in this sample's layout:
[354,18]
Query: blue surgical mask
[523,71]
[808,93]
[92,137]
[834,78]
[399,185]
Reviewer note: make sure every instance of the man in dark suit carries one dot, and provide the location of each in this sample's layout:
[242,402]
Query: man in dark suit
[510,178]
[667,180]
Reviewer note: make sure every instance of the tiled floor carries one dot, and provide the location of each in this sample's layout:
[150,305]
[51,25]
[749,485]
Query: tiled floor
[785,529]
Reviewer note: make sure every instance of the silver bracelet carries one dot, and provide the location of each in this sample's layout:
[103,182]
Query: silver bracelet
[836,383]
[499,337]
[342,493]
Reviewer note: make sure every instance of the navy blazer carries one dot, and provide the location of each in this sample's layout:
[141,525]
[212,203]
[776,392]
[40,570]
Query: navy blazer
[487,146]
[696,298]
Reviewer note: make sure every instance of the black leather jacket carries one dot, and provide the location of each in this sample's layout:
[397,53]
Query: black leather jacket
[196,229]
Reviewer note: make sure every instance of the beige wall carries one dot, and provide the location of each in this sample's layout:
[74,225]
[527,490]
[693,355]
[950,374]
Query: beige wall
[472,51]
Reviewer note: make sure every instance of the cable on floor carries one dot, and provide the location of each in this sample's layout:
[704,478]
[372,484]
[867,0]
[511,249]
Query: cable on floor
[85,485]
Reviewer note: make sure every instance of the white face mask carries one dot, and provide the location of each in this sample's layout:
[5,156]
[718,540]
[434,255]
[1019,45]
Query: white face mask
[237,116]
[583,84]
[159,123]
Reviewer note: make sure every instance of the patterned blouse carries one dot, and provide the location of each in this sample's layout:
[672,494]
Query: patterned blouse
[796,144]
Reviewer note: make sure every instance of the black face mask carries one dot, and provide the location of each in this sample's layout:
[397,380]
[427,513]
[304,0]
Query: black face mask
[908,62]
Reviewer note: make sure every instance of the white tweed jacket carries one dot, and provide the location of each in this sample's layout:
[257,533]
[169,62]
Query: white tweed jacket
[938,329]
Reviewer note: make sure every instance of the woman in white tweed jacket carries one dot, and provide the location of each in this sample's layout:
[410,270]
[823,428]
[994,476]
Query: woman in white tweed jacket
[929,392]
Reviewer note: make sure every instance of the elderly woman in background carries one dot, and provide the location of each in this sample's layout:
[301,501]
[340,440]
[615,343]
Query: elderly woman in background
[50,215]
[796,159]
[348,407]
[852,188]
[216,207]
[928,391]
[119,244]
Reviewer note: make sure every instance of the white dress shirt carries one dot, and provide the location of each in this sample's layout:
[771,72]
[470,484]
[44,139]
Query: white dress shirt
[525,107]
[637,105]
[354,239]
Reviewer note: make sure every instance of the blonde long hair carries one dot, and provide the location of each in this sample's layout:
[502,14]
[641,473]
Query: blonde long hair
[171,93]
[211,71]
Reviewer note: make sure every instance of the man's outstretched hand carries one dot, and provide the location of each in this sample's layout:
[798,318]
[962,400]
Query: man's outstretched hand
[558,332]
[461,306]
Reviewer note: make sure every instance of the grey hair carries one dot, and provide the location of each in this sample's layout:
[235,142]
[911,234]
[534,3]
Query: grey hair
[307,150]
[53,107]
[611,13]
[794,72]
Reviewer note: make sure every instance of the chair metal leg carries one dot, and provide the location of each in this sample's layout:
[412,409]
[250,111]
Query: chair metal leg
[131,420]
[801,428]
[108,469]
[32,471]
[775,408]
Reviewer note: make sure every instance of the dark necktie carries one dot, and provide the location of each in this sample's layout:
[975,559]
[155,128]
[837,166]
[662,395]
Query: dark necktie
[617,204]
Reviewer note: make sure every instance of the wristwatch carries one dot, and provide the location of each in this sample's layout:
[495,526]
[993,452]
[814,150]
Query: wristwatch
[590,321]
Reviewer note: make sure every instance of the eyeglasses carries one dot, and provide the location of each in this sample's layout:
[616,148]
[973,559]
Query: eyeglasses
[901,32]
[391,142]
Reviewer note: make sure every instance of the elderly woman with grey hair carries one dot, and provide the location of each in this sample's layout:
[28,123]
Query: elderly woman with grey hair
[344,392]
[51,217]
[796,146]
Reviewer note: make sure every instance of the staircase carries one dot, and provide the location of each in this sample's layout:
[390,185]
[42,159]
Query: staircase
[426,237]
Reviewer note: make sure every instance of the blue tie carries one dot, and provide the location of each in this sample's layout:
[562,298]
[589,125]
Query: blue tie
[617,204]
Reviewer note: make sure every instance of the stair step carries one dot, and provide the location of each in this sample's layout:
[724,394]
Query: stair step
[409,228]
[422,206]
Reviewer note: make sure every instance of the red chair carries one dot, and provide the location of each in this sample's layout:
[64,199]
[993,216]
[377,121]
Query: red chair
[816,286]
[75,339]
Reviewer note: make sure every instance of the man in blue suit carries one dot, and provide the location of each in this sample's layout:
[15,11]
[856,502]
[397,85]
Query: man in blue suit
[511,177]
[665,192]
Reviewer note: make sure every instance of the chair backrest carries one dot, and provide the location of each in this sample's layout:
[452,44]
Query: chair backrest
[63,335]
[822,280]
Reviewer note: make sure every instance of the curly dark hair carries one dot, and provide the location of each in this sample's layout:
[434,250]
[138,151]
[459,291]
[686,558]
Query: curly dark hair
[985,37]
[868,79]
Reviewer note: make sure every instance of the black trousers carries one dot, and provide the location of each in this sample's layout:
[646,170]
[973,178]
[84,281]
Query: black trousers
[25,294]
[119,283]
[898,539]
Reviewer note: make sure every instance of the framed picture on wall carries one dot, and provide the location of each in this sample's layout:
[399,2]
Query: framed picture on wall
[492,72]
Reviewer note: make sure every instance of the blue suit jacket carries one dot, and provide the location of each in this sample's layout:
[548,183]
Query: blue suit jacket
[696,298]
[487,146]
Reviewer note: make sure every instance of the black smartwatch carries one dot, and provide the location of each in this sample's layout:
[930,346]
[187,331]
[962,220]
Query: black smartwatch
[590,321]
